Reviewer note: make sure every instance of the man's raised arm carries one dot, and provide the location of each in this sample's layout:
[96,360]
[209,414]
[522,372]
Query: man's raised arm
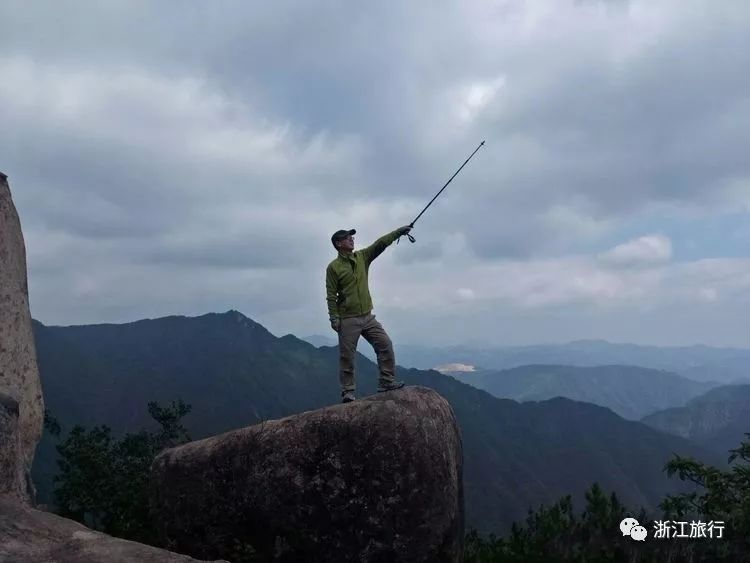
[377,247]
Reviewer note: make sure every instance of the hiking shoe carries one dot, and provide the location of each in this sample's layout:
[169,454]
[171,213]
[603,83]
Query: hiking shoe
[347,397]
[390,386]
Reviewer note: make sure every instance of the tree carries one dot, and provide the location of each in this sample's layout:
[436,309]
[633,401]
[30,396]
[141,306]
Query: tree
[556,534]
[103,482]
[51,425]
[725,497]
[85,479]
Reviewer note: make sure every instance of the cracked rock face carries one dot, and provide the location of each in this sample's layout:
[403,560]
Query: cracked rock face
[379,479]
[19,375]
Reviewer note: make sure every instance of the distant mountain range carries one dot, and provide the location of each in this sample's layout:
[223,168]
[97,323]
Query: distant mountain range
[718,419]
[699,363]
[630,391]
[235,373]
[319,340]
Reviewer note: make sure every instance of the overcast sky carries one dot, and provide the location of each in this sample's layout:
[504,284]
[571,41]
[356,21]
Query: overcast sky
[197,159]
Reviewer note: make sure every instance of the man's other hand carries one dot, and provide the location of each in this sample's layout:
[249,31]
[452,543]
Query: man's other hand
[335,324]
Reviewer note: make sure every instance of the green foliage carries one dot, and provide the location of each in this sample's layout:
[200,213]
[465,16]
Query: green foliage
[723,495]
[103,481]
[170,419]
[50,424]
[557,534]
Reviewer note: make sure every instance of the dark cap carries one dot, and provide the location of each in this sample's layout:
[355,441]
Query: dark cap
[341,235]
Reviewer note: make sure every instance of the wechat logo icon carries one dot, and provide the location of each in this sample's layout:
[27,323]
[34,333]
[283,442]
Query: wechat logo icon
[631,527]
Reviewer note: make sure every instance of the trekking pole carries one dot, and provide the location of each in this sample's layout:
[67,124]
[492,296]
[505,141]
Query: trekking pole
[411,238]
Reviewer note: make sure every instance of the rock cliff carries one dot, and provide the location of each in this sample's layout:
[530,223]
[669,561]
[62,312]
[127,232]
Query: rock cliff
[19,375]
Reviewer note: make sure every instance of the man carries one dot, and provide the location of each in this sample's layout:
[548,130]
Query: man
[350,309]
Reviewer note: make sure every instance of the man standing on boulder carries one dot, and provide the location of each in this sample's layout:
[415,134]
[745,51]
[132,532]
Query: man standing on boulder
[350,309]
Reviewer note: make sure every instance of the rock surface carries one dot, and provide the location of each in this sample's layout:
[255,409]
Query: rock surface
[376,480]
[11,460]
[28,535]
[19,375]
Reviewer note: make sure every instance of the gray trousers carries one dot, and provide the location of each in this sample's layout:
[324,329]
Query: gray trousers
[349,331]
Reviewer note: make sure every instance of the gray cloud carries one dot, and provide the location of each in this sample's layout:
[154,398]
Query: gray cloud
[228,140]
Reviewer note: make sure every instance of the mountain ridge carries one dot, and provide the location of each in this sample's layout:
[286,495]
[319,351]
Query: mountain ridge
[236,374]
[717,419]
[630,391]
[696,362]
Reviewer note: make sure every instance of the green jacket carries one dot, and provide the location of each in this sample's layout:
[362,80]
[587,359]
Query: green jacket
[347,292]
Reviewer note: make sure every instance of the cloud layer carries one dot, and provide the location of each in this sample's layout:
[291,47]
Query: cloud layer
[176,162]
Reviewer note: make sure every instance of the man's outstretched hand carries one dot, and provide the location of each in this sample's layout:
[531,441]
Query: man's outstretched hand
[404,230]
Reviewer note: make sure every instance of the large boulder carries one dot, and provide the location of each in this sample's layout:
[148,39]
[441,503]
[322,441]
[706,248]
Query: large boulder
[374,480]
[19,375]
